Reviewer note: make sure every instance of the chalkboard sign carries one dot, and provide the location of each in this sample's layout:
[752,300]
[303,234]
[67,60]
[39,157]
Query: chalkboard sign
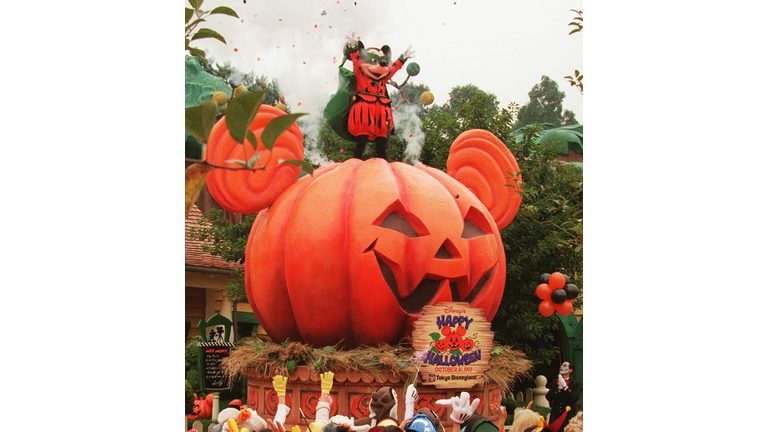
[211,355]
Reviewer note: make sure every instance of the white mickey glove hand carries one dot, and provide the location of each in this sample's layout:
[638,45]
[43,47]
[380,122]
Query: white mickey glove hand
[561,385]
[409,53]
[352,40]
[411,396]
[282,413]
[461,407]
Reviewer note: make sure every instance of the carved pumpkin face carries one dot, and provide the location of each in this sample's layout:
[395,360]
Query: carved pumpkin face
[453,339]
[467,345]
[370,244]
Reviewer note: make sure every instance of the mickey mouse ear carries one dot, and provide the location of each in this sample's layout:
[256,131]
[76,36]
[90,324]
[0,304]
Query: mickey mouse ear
[482,163]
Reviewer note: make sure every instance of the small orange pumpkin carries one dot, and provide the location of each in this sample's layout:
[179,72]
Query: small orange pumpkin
[202,407]
[245,191]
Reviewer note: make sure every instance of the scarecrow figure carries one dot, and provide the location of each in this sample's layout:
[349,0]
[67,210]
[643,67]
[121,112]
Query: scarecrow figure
[370,117]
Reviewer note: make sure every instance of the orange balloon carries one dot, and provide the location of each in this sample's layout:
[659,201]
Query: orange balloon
[544,291]
[546,308]
[556,280]
[564,308]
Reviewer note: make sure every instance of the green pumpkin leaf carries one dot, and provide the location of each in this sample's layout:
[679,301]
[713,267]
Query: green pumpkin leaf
[277,126]
[208,33]
[456,352]
[240,113]
[306,166]
[188,14]
[435,336]
[497,351]
[329,349]
[199,120]
[224,10]
[291,365]
[318,363]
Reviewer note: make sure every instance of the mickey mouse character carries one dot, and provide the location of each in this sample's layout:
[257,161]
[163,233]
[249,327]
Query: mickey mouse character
[370,117]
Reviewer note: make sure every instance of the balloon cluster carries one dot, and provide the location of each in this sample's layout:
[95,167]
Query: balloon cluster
[556,293]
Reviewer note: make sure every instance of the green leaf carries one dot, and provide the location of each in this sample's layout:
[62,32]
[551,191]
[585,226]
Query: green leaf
[241,112]
[277,126]
[497,351]
[196,3]
[199,54]
[435,336]
[224,10]
[435,350]
[577,72]
[291,365]
[237,161]
[329,349]
[199,120]
[318,362]
[188,14]
[306,166]
[208,33]
[194,23]
[574,31]
[252,139]
[252,161]
[456,352]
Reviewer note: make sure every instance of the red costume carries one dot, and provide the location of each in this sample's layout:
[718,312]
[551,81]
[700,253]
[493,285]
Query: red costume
[371,114]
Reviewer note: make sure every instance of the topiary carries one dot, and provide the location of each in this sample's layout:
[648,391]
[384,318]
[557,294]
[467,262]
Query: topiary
[189,396]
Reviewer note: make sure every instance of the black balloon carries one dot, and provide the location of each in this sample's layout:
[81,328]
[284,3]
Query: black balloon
[559,296]
[544,278]
[572,291]
[567,279]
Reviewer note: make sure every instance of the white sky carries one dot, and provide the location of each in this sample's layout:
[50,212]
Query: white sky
[503,47]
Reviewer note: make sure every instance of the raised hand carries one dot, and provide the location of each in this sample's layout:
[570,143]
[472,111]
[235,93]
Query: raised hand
[279,382]
[411,396]
[409,53]
[461,408]
[326,382]
[352,40]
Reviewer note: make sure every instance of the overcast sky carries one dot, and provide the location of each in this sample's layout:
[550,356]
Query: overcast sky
[503,47]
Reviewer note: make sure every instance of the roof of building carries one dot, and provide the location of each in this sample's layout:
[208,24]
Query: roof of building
[193,255]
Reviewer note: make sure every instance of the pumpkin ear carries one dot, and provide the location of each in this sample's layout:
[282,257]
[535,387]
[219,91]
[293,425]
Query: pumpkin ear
[482,163]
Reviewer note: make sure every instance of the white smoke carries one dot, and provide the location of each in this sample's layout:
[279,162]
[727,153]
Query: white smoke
[408,127]
[310,127]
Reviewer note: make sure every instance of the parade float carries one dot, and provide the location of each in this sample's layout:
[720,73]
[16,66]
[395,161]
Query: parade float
[386,274]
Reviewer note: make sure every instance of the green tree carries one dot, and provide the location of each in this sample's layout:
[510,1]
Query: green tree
[545,106]
[252,82]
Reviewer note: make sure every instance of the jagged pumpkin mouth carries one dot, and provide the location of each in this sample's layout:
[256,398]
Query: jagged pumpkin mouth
[427,289]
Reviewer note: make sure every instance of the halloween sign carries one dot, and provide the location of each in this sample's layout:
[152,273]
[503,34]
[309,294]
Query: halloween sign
[455,340]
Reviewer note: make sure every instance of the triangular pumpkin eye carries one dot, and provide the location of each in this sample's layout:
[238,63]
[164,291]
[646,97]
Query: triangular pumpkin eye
[396,218]
[475,224]
[398,223]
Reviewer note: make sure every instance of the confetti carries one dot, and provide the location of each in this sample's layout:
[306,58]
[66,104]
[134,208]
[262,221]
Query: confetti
[235,49]
[293,46]
[313,140]
[324,13]
[299,103]
[263,85]
[304,62]
[258,58]
[341,150]
[279,19]
[410,136]
[315,25]
[243,1]
[242,20]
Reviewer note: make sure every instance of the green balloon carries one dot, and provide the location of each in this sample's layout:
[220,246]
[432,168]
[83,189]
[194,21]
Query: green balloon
[413,69]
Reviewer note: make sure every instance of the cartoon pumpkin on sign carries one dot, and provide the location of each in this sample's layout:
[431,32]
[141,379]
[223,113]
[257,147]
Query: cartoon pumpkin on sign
[352,254]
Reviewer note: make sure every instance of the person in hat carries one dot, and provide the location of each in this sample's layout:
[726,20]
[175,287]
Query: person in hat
[564,392]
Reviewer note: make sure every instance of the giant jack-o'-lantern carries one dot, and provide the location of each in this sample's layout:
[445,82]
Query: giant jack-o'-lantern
[352,254]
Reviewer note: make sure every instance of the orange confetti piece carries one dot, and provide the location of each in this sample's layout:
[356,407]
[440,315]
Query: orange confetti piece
[258,58]
[341,150]
[293,46]
[410,136]
[299,103]
[313,140]
[263,85]
[315,25]
[235,49]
